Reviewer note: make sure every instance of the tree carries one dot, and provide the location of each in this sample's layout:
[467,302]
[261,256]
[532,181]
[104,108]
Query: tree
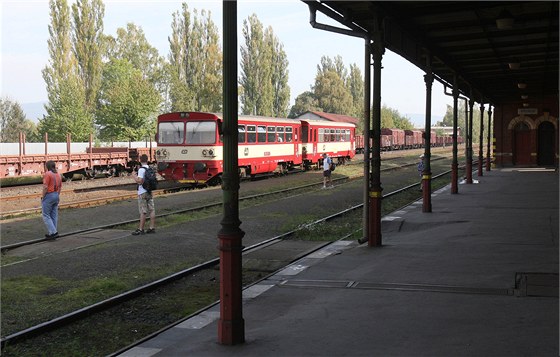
[131,44]
[332,94]
[280,87]
[461,122]
[391,118]
[331,89]
[356,86]
[66,113]
[13,121]
[87,38]
[195,63]
[66,108]
[305,102]
[128,103]
[256,73]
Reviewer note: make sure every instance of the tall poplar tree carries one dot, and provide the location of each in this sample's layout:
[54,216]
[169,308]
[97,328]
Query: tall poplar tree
[264,71]
[281,89]
[195,62]
[66,108]
[87,38]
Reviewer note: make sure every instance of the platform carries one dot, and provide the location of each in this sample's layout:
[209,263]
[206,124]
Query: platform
[476,277]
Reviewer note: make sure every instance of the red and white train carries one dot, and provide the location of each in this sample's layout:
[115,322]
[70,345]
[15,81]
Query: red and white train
[190,145]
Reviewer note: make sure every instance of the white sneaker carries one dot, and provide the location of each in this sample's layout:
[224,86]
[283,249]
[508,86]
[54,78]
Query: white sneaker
[324,187]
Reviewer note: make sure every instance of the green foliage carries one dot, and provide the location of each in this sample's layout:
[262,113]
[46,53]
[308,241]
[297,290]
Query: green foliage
[195,63]
[13,121]
[128,103]
[256,73]
[391,118]
[306,101]
[66,112]
[462,111]
[332,93]
[281,89]
[87,39]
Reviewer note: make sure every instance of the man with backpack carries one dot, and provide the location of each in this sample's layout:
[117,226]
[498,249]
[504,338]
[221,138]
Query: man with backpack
[146,180]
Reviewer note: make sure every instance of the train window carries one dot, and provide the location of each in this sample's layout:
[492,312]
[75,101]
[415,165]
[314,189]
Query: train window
[337,131]
[322,137]
[289,134]
[280,132]
[332,135]
[251,134]
[261,133]
[201,132]
[271,134]
[171,132]
[347,135]
[241,133]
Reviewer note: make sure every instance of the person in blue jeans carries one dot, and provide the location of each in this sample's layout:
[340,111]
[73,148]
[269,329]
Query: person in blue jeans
[52,184]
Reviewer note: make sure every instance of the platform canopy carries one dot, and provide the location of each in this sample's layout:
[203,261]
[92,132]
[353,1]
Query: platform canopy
[494,47]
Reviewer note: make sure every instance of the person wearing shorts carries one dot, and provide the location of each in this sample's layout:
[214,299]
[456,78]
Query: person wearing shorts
[145,200]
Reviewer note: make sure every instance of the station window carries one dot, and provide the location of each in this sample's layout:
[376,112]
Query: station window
[261,133]
[241,134]
[271,134]
[280,132]
[251,134]
[171,132]
[289,134]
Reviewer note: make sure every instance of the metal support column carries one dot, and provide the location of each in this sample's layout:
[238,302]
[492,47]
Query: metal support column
[468,141]
[367,127]
[375,189]
[427,172]
[231,326]
[481,142]
[488,151]
[454,163]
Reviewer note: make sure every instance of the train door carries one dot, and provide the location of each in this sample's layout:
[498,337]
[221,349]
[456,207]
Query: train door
[546,138]
[522,140]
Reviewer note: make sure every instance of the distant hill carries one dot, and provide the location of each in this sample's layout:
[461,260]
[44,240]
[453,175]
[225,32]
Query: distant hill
[34,111]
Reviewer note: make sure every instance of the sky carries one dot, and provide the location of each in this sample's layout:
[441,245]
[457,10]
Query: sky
[24,52]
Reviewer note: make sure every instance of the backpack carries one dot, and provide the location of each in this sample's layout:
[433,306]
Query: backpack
[333,166]
[150,179]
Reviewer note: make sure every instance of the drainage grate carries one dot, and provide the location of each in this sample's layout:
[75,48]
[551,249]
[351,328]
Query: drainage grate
[536,284]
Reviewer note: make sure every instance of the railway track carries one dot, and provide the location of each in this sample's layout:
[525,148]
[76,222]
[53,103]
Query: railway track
[128,196]
[91,310]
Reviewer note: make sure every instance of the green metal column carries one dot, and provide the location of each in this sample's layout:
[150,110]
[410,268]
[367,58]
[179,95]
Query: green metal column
[488,151]
[455,164]
[427,172]
[480,146]
[231,327]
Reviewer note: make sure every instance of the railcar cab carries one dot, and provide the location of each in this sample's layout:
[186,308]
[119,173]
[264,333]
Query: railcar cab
[334,138]
[189,146]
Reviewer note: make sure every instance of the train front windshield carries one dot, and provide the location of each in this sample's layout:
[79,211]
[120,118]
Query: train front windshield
[171,132]
[201,132]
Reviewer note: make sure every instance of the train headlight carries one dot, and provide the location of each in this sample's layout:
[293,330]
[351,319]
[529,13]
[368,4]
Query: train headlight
[204,152]
[211,152]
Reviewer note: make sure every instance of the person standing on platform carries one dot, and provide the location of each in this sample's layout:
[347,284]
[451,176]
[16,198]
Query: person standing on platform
[420,167]
[145,199]
[52,184]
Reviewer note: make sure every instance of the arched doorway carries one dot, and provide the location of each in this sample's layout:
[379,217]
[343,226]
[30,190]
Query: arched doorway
[545,139]
[522,148]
